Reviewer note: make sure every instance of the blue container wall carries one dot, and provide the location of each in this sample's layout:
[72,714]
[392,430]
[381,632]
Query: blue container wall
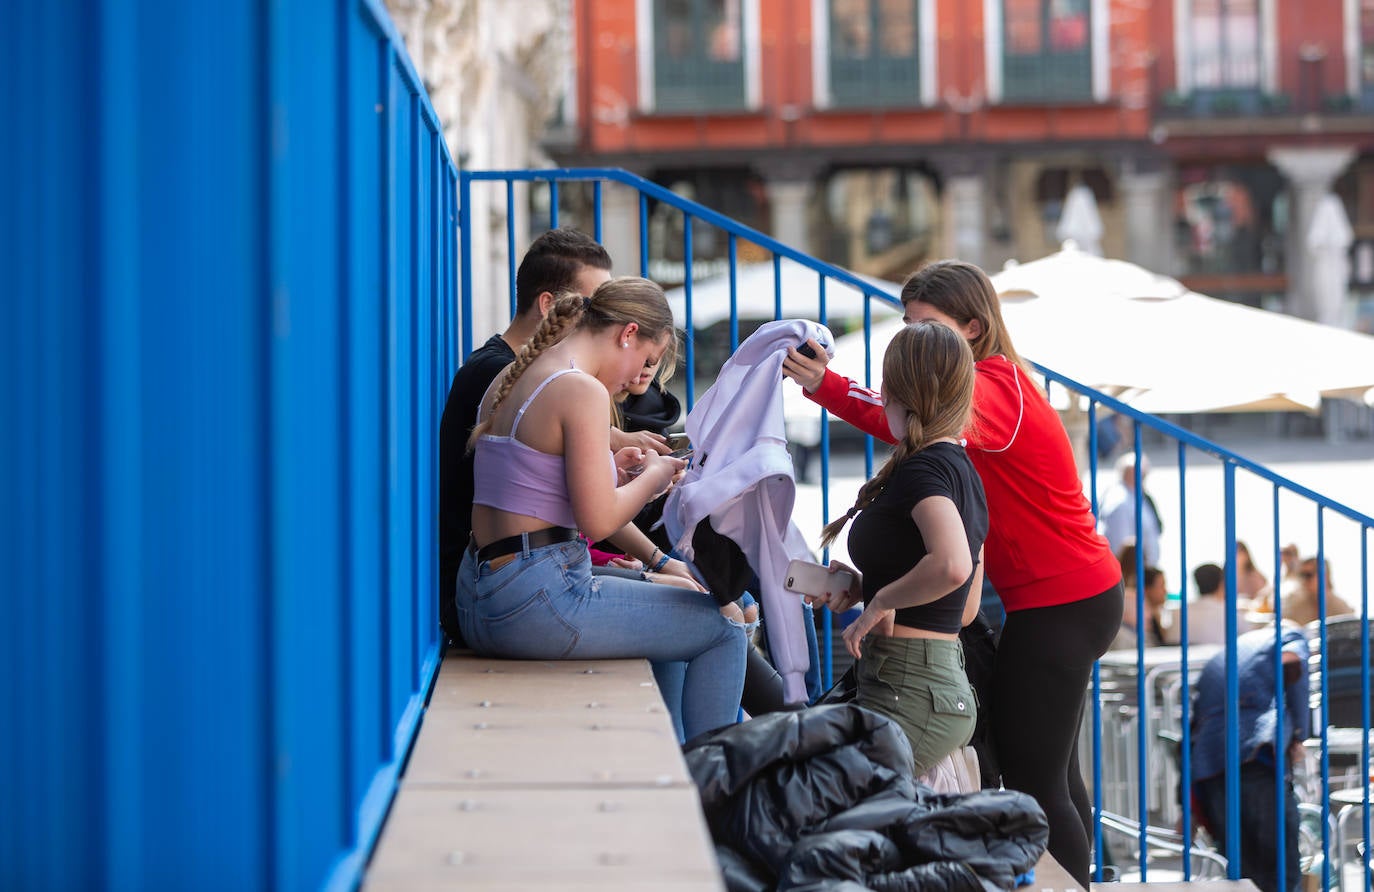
[228,328]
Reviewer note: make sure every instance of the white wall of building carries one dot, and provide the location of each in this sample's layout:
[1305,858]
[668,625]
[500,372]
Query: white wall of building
[494,69]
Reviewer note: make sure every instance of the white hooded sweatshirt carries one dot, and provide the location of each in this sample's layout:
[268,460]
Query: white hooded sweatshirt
[741,478]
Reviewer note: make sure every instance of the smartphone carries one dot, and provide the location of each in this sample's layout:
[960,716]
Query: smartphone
[807,578]
[678,441]
[680,453]
[805,350]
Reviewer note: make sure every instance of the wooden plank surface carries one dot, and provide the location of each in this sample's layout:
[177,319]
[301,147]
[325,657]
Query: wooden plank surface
[545,774]
[1050,876]
[505,723]
[540,839]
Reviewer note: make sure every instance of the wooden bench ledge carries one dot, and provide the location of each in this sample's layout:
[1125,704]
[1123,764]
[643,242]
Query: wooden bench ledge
[508,723]
[541,839]
[545,774]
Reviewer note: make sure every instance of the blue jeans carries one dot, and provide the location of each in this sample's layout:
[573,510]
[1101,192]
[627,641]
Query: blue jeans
[814,683]
[546,605]
[1259,845]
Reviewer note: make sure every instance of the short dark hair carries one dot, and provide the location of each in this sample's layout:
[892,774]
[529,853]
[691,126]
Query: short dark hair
[1208,578]
[1152,574]
[553,262]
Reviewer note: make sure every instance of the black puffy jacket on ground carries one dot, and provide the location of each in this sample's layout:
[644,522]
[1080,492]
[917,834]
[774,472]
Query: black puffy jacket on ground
[823,799]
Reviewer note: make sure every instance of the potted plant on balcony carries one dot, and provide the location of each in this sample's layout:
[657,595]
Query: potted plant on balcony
[1340,103]
[1173,102]
[1225,104]
[1276,103]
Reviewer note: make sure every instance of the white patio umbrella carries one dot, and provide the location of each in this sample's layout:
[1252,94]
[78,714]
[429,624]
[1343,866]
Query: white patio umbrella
[754,287]
[1147,340]
[1124,330]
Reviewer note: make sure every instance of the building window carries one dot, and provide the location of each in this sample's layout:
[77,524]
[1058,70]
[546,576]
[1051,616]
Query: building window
[698,59]
[1229,219]
[1047,50]
[873,52]
[1366,53]
[1225,44]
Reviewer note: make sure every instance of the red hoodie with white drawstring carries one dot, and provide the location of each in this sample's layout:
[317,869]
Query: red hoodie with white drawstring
[1042,548]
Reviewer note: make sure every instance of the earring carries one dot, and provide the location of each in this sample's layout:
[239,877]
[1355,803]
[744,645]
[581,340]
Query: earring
[624,344]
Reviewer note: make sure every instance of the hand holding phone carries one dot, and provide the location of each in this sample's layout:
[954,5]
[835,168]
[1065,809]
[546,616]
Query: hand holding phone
[815,580]
[807,365]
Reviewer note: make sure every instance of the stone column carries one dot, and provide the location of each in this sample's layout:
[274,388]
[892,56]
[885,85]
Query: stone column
[620,227]
[790,223]
[1310,173]
[965,215]
[1149,229]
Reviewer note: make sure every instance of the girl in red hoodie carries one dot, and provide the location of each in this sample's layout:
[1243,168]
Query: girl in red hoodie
[1058,579]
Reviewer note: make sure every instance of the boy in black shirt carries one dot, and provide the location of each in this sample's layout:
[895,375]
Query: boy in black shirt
[559,260]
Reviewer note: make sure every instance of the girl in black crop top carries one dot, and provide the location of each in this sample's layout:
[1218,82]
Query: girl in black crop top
[917,540]
[886,543]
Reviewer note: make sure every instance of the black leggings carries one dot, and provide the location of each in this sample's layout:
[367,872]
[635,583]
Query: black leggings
[1044,662]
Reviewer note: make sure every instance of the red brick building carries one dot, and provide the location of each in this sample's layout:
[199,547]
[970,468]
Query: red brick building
[877,133]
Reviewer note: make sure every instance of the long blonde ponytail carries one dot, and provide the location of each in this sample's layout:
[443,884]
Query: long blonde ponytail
[927,370]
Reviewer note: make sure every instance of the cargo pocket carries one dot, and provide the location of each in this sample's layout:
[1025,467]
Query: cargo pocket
[873,686]
[952,701]
[954,711]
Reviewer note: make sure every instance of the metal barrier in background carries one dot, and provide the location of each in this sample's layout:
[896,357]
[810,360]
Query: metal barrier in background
[1157,712]
[1145,699]
[228,328]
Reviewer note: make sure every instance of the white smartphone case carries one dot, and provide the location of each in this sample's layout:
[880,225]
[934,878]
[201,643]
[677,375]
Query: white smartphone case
[807,578]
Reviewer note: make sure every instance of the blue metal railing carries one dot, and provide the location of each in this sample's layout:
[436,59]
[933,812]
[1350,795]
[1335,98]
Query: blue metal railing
[228,330]
[1231,463]
[1186,442]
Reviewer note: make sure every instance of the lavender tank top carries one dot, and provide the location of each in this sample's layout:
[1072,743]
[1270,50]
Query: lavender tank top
[513,476]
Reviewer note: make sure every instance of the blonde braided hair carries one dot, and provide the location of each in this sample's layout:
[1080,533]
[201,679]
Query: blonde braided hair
[927,370]
[615,302]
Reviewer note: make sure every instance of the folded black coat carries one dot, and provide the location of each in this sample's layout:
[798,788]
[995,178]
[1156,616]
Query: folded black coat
[824,799]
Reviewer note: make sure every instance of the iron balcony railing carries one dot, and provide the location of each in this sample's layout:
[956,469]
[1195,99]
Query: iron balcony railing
[578,197]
